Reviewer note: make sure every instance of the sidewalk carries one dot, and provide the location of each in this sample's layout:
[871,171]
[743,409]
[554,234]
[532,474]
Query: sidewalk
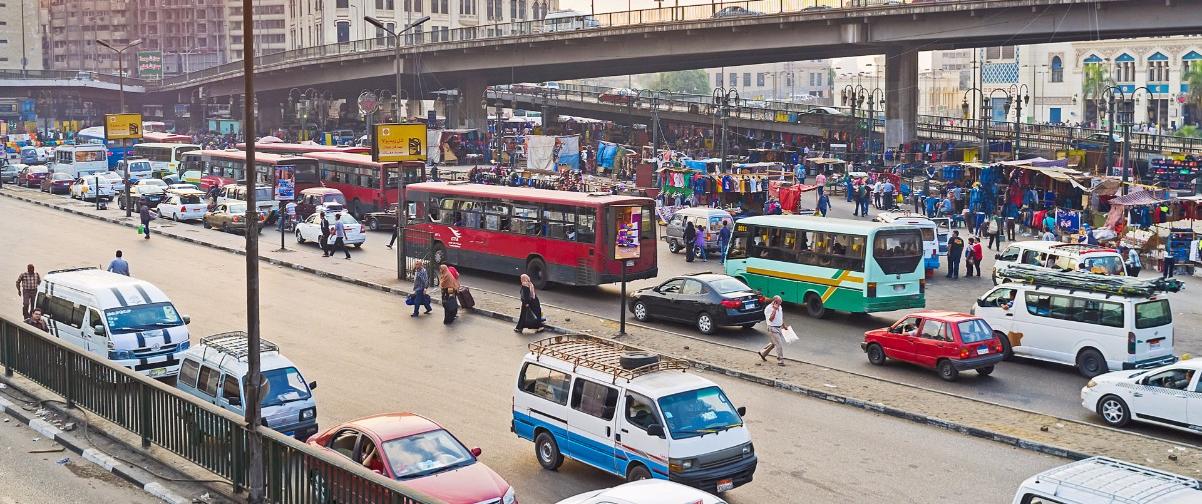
[977,418]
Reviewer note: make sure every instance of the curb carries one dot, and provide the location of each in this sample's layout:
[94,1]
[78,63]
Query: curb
[789,387]
[137,478]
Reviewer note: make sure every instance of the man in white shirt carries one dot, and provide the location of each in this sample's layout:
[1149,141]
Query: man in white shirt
[774,315]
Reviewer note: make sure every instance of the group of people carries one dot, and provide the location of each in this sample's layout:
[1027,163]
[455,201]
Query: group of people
[972,252]
[695,242]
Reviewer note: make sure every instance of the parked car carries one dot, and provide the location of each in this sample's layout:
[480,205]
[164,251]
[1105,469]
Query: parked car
[313,197]
[229,217]
[32,175]
[57,183]
[88,187]
[1165,396]
[707,220]
[826,111]
[420,453]
[183,205]
[151,194]
[648,491]
[381,221]
[310,229]
[707,300]
[1102,480]
[735,12]
[9,172]
[1061,256]
[618,96]
[947,342]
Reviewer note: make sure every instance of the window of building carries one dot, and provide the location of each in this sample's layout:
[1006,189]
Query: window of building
[344,31]
[1124,68]
[718,79]
[734,79]
[1158,71]
[759,79]
[1004,52]
[746,79]
[342,4]
[818,79]
[1190,61]
[1057,69]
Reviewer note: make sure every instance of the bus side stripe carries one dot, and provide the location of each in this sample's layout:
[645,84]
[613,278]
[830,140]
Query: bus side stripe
[845,276]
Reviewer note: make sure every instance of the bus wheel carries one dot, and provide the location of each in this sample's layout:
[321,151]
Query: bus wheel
[537,270]
[1007,352]
[814,306]
[438,254]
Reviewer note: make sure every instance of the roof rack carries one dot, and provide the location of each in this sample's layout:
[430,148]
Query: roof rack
[235,344]
[68,270]
[1087,282]
[1078,247]
[600,355]
[1106,477]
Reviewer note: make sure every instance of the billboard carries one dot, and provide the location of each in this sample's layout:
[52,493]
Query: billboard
[150,64]
[628,223]
[392,143]
[285,185]
[123,126]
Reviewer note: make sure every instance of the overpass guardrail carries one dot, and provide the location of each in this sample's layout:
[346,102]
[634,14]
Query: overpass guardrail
[199,432]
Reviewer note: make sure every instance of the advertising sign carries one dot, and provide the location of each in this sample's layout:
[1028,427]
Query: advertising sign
[393,143]
[629,221]
[285,185]
[150,64]
[123,126]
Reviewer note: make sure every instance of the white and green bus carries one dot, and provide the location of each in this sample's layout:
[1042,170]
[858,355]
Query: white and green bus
[835,264]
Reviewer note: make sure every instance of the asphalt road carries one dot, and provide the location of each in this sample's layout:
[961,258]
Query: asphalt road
[369,357]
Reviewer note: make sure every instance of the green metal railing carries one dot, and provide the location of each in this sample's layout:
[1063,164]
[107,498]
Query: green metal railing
[201,433]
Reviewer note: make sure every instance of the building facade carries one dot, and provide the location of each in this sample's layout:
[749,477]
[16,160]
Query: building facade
[271,26]
[74,26]
[189,35]
[20,35]
[797,81]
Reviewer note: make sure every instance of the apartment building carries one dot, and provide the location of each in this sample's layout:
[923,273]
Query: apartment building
[190,34]
[271,26]
[801,81]
[74,26]
[20,35]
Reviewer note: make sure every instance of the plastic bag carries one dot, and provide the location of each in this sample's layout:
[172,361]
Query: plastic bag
[787,334]
[141,229]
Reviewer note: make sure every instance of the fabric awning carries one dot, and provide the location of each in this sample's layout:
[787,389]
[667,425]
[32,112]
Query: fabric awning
[1137,198]
[822,160]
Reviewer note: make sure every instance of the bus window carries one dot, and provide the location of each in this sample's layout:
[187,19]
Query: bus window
[897,252]
[586,226]
[557,220]
[496,217]
[525,220]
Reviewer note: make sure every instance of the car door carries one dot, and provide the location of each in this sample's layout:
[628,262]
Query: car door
[667,300]
[898,341]
[997,307]
[930,345]
[1193,403]
[1162,397]
[591,423]
[231,394]
[94,334]
[169,207]
[312,227]
[693,299]
[634,442]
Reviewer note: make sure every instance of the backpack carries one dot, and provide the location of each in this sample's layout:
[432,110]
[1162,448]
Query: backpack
[993,227]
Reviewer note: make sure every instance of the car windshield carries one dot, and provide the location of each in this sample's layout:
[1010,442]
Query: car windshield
[728,285]
[698,412]
[140,166]
[284,385]
[60,176]
[149,189]
[1153,314]
[152,182]
[425,454]
[346,218]
[1104,265]
[333,198]
[142,317]
[974,331]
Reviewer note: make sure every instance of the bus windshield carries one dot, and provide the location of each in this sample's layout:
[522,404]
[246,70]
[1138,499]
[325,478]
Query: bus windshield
[897,252]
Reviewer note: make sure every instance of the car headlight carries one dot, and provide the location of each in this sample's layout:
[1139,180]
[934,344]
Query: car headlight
[748,449]
[184,346]
[680,465]
[121,354]
[510,497]
[1091,384]
[308,413]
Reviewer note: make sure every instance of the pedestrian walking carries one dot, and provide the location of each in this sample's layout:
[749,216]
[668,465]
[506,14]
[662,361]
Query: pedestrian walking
[119,265]
[421,282]
[531,315]
[325,236]
[690,236]
[699,243]
[774,315]
[993,230]
[824,204]
[978,255]
[340,236]
[723,241]
[27,288]
[35,319]
[820,181]
[955,250]
[449,286]
[1134,265]
[144,216]
[1170,264]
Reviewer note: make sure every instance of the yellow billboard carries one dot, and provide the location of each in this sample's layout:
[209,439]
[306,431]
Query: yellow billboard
[123,126]
[399,142]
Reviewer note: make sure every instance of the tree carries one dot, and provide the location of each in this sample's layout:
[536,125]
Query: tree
[1194,79]
[685,81]
[1094,84]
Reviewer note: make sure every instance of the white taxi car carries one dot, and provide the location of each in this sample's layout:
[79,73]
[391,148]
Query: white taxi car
[1168,395]
[310,229]
[648,491]
[183,205]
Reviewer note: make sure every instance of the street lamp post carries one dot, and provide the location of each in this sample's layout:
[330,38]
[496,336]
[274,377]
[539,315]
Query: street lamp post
[121,82]
[966,108]
[870,126]
[850,98]
[1110,112]
[987,106]
[722,99]
[1021,96]
[1127,135]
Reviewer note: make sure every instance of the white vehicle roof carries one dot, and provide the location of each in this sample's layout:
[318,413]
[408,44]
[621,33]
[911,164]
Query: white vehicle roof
[702,212]
[599,360]
[649,491]
[110,290]
[1076,292]
[182,191]
[81,147]
[228,351]
[1106,480]
[1061,248]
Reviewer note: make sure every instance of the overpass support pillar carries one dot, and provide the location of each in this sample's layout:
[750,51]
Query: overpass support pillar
[901,96]
[270,116]
[471,104]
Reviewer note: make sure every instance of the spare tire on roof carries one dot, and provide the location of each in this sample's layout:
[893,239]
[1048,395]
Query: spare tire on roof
[637,359]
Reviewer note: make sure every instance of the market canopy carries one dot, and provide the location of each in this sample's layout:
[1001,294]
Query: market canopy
[1137,198]
[822,160]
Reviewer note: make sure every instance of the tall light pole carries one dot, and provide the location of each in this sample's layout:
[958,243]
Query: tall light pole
[870,127]
[396,37]
[984,132]
[1127,135]
[1021,96]
[120,65]
[987,105]
[1110,111]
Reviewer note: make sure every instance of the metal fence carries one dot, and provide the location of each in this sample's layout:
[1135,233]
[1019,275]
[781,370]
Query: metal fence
[199,432]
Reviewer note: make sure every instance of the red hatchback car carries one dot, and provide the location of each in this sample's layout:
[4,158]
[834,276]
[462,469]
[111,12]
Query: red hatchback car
[948,342]
[419,453]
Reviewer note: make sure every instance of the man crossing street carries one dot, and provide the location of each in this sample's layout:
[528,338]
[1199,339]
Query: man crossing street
[27,287]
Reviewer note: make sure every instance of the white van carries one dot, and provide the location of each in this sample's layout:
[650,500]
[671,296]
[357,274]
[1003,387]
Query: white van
[1062,256]
[76,160]
[704,218]
[568,20]
[130,321]
[214,371]
[629,413]
[930,234]
[139,168]
[1102,480]
[236,193]
[1091,328]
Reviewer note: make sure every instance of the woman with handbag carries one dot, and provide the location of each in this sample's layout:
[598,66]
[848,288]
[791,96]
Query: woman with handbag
[531,316]
[449,286]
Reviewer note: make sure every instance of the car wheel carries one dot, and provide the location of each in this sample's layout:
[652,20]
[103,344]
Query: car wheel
[985,371]
[637,473]
[947,371]
[358,245]
[1114,411]
[1007,351]
[175,217]
[673,247]
[814,307]
[205,224]
[876,354]
[749,325]
[537,270]
[705,323]
[299,238]
[373,225]
[640,312]
[1090,363]
[547,451]
[994,278]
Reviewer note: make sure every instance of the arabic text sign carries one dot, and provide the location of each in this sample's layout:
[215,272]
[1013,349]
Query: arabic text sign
[123,126]
[399,142]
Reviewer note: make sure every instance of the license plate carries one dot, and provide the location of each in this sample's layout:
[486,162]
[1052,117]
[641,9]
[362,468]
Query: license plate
[158,372]
[982,350]
[725,485]
[899,287]
[750,305]
[1154,344]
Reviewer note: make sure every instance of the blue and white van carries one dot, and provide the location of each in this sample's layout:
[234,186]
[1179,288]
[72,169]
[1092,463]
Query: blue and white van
[629,413]
[930,234]
[214,370]
[83,159]
[130,321]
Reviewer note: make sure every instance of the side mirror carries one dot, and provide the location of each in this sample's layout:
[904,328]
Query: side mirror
[656,430]
[313,385]
[742,410]
[982,303]
[997,256]
[98,329]
[187,320]
[234,401]
[476,452]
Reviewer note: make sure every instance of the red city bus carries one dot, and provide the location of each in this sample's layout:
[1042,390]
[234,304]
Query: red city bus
[554,236]
[216,168]
[293,149]
[152,137]
[368,186]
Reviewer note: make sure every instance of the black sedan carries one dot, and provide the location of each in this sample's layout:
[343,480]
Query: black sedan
[381,221]
[706,300]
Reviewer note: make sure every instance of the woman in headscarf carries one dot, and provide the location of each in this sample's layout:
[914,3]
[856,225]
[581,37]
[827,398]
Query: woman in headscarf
[531,316]
[690,236]
[449,286]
